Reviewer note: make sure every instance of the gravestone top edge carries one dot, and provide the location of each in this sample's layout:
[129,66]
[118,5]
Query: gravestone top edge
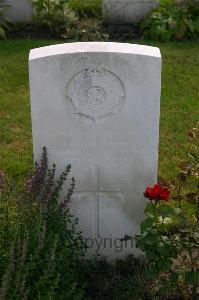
[94,47]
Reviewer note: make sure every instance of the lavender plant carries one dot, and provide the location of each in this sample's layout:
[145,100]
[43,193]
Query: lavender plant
[40,246]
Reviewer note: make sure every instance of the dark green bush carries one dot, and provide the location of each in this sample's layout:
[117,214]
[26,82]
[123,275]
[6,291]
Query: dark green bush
[172,19]
[86,8]
[40,248]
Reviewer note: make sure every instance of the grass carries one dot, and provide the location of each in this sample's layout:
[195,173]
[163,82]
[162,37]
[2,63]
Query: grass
[179,104]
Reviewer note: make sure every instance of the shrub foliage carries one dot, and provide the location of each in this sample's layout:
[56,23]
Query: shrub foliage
[59,15]
[172,19]
[87,8]
[40,247]
[55,15]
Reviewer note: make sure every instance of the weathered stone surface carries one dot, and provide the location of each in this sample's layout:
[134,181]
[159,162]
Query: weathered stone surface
[20,10]
[126,11]
[96,106]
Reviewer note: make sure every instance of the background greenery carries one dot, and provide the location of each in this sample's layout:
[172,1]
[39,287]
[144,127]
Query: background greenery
[172,20]
[179,104]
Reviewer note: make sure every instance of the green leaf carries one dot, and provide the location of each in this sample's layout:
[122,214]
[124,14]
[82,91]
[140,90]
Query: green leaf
[190,25]
[174,277]
[192,277]
[148,223]
[149,210]
[165,265]
[165,210]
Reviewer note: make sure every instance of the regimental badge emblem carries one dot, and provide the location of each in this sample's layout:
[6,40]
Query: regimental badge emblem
[96,93]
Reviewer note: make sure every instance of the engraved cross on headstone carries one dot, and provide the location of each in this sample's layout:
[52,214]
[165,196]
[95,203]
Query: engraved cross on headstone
[98,193]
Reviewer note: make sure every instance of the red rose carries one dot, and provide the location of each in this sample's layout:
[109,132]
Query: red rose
[157,193]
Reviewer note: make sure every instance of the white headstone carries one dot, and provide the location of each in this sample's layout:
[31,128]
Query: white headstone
[126,11]
[19,10]
[96,106]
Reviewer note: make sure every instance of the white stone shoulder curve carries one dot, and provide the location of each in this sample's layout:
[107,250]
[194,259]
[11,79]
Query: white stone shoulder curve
[89,47]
